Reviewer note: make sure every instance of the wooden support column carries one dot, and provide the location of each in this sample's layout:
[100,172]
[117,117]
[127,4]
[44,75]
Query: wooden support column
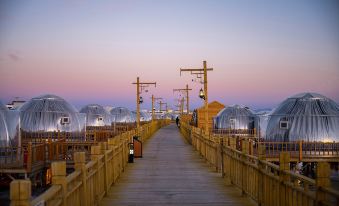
[322,180]
[80,165]
[59,178]
[20,192]
[284,160]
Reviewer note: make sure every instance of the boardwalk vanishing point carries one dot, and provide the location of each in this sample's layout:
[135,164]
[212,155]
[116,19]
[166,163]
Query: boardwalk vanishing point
[171,173]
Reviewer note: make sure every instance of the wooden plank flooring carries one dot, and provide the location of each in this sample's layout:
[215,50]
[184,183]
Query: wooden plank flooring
[171,173]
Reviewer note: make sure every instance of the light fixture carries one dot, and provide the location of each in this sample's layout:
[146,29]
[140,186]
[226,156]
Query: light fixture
[202,94]
[141,100]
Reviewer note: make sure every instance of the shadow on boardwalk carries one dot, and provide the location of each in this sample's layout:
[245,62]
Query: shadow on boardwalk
[172,173]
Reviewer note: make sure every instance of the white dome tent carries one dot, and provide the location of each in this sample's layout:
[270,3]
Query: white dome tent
[122,115]
[236,118]
[4,138]
[144,116]
[48,113]
[263,116]
[306,116]
[96,115]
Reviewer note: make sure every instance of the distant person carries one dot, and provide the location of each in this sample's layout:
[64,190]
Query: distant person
[177,121]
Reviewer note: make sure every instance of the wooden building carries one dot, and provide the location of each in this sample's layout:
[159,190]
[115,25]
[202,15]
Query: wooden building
[213,109]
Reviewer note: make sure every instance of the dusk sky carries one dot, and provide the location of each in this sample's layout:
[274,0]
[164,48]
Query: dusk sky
[91,51]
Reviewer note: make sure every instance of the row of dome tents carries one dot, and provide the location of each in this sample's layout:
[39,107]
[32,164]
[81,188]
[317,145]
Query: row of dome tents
[306,116]
[48,113]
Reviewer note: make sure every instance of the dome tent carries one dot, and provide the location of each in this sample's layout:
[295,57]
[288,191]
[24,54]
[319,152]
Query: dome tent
[3,107]
[235,118]
[96,115]
[263,116]
[108,108]
[47,113]
[305,116]
[144,116]
[9,127]
[4,139]
[122,115]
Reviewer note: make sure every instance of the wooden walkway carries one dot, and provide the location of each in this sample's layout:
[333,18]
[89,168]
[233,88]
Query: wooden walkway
[172,173]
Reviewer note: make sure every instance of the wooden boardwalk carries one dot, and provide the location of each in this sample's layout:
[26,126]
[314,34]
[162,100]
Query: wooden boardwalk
[172,173]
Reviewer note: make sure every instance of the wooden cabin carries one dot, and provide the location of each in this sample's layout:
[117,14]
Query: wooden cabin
[213,109]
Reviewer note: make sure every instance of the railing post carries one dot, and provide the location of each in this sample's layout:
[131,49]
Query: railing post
[29,157]
[284,160]
[111,147]
[221,150]
[261,174]
[322,180]
[20,192]
[80,165]
[103,146]
[59,178]
[233,142]
[95,155]
[300,150]
[244,171]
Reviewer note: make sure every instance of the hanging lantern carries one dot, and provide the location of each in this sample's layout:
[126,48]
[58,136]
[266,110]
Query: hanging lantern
[201,94]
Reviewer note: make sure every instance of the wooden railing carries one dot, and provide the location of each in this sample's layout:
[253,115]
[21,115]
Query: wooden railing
[53,146]
[265,182]
[90,181]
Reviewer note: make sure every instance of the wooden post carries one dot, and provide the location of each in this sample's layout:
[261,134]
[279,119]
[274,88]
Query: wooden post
[284,160]
[95,154]
[261,166]
[206,98]
[300,150]
[111,147]
[29,157]
[245,146]
[138,105]
[20,192]
[152,108]
[80,165]
[103,146]
[244,171]
[322,180]
[250,147]
[59,178]
[233,143]
[221,146]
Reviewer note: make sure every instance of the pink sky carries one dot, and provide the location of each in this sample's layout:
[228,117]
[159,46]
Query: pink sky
[92,55]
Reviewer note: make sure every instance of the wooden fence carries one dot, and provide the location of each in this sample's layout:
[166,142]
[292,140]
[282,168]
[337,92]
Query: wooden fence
[50,146]
[265,182]
[90,181]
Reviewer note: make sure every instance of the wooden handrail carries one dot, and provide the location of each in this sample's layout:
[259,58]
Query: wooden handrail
[240,168]
[90,181]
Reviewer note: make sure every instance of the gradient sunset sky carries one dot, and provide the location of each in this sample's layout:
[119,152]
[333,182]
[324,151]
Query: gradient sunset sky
[91,51]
